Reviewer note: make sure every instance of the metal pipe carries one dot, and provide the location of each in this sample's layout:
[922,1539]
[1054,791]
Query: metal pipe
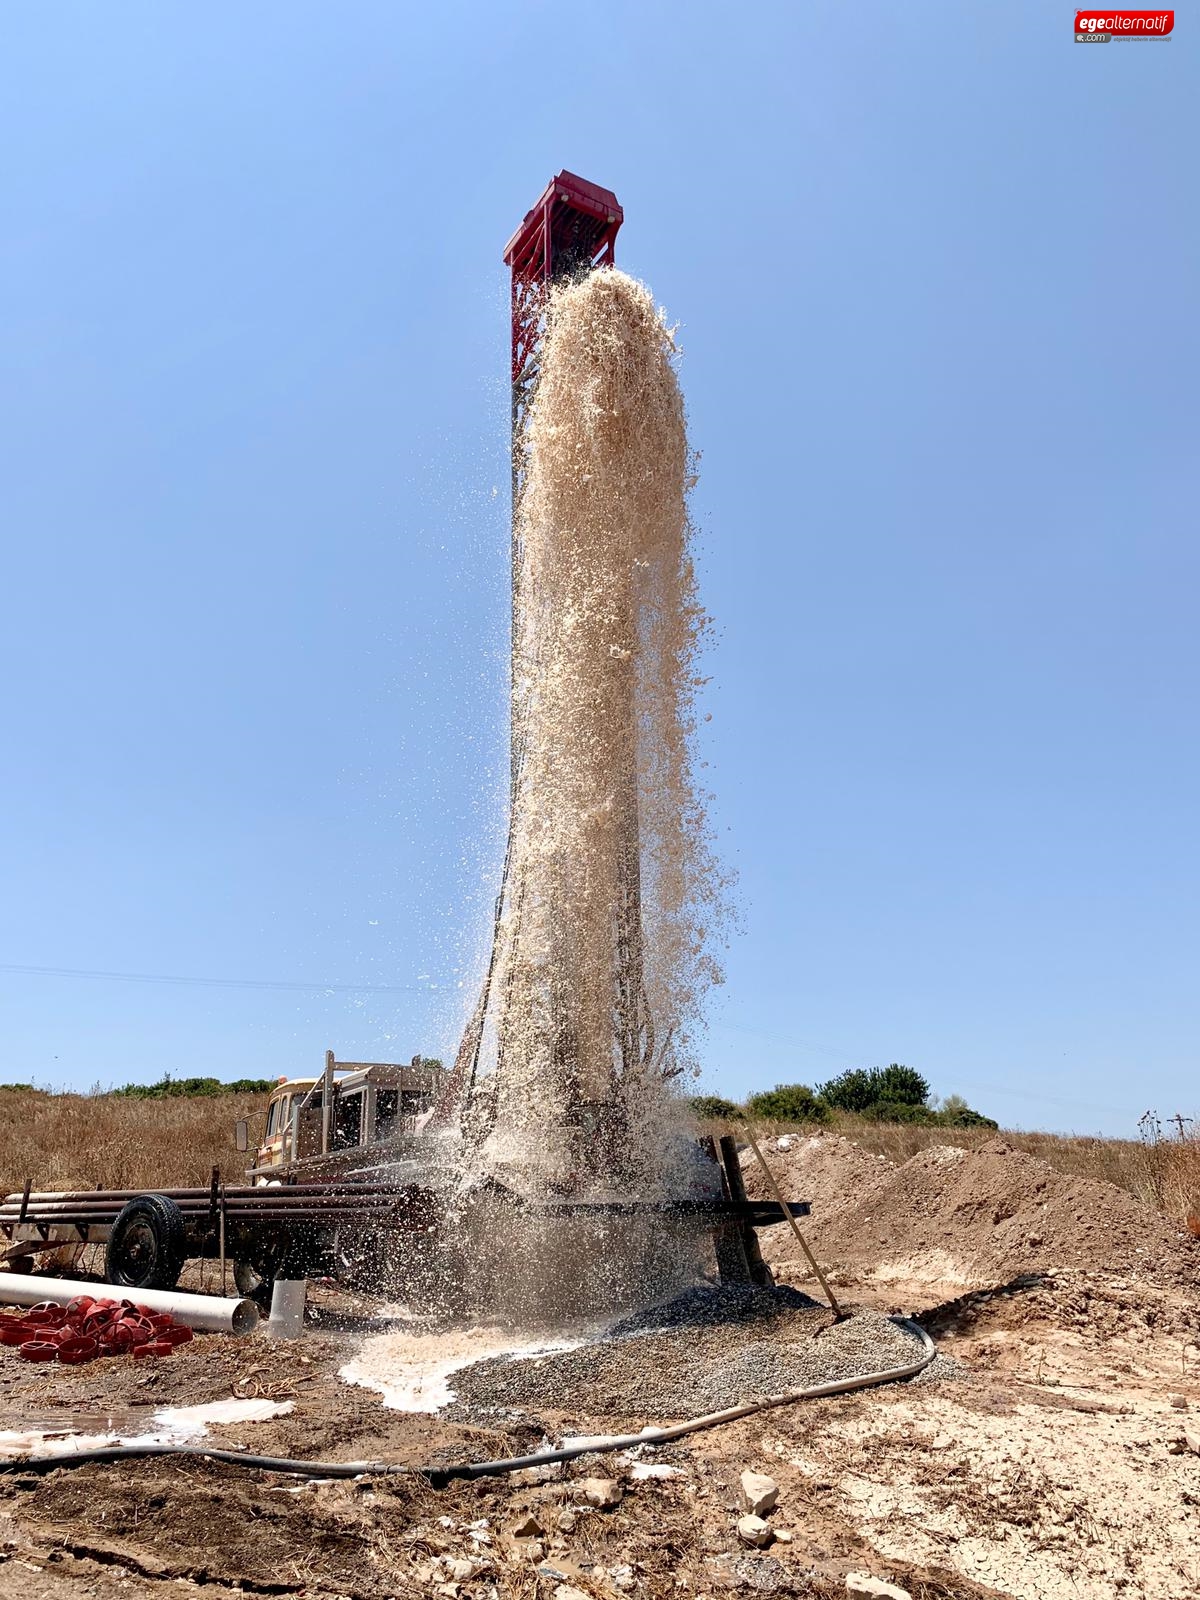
[243,1191]
[201,1311]
[760,1273]
[327,1104]
[791,1217]
[196,1208]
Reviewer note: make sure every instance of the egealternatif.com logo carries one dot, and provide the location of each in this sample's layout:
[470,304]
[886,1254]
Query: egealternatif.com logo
[1099,27]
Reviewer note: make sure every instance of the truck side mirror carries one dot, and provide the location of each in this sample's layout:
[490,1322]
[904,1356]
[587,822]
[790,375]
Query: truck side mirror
[241,1136]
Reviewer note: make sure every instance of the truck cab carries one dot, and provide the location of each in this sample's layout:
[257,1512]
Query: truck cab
[342,1118]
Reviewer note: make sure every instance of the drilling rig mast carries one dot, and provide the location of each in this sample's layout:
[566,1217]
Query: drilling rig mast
[571,230]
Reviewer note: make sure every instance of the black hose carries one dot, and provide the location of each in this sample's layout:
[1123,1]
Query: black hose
[439,1477]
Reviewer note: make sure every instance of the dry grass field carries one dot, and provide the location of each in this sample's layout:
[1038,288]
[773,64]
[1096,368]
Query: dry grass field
[91,1141]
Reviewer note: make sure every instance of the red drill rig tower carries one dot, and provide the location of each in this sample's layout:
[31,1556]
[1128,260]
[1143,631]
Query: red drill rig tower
[571,229]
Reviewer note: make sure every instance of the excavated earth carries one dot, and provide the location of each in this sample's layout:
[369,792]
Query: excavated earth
[968,1218]
[1052,1450]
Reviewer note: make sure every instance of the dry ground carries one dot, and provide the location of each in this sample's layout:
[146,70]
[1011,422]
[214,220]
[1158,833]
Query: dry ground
[1046,1460]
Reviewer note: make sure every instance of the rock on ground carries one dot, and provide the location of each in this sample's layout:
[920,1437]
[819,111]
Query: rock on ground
[759,1493]
[754,1531]
[601,1492]
[861,1583]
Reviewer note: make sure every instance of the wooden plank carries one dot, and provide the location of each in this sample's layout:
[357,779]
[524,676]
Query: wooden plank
[760,1273]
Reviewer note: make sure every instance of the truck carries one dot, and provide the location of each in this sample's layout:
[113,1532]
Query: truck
[332,1184]
[332,1124]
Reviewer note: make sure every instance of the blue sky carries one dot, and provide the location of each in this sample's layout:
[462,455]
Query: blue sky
[936,276]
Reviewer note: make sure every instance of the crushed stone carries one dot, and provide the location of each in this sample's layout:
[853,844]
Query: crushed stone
[707,1350]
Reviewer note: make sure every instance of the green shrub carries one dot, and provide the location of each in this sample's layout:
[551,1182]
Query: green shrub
[956,1113]
[898,1111]
[863,1087]
[713,1108]
[788,1102]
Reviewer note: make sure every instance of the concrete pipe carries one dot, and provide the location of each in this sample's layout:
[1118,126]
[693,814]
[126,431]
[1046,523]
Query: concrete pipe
[206,1313]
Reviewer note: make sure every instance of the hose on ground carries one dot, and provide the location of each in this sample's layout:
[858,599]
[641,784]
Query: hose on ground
[439,1476]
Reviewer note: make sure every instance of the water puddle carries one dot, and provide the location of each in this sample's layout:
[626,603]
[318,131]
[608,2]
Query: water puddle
[66,1436]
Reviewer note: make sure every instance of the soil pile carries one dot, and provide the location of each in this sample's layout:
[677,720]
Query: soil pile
[832,1173]
[1092,1308]
[981,1217]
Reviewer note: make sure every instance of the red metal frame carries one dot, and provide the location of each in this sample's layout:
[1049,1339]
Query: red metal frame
[571,228]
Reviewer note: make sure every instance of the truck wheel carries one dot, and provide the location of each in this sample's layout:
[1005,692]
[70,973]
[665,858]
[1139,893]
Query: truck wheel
[254,1285]
[148,1244]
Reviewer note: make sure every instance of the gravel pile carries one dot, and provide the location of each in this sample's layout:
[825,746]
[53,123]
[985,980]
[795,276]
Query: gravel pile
[704,1351]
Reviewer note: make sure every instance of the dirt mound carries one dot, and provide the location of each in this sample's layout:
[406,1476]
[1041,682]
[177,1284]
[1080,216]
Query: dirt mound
[980,1217]
[831,1173]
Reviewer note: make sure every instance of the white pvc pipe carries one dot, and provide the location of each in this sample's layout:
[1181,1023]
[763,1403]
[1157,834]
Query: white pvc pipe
[287,1308]
[204,1312]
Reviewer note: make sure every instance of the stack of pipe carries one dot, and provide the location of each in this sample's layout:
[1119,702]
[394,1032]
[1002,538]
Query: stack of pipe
[206,1313]
[281,1203]
[326,1202]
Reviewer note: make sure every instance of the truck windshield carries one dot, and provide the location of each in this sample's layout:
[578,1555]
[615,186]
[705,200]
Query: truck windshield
[348,1120]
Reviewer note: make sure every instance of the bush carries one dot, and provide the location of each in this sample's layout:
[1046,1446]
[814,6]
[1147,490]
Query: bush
[863,1087]
[788,1102]
[956,1113]
[713,1108]
[850,1091]
[898,1111]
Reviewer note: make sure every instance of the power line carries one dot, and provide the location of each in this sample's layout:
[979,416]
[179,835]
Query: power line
[1070,1104]
[219,983]
[792,1044]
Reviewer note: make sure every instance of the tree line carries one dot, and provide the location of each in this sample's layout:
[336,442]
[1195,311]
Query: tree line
[878,1094]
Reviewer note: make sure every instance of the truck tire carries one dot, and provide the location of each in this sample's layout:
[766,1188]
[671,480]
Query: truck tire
[147,1245]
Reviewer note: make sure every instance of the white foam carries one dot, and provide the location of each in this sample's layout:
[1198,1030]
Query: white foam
[653,1469]
[170,1425]
[411,1371]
